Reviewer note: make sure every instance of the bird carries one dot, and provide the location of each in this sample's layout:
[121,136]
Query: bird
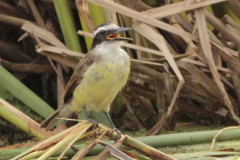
[98,77]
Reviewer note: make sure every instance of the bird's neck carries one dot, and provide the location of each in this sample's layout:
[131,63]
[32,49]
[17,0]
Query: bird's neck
[108,47]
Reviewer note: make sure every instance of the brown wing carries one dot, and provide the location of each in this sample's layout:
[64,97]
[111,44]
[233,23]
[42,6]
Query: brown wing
[77,76]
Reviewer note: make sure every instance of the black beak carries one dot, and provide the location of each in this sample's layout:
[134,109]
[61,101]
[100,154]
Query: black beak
[122,29]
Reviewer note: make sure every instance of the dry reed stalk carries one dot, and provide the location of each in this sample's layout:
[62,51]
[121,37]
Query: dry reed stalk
[81,153]
[25,123]
[175,8]
[206,61]
[84,13]
[49,146]
[206,47]
[12,20]
[141,17]
[222,28]
[26,67]
[159,41]
[113,150]
[58,70]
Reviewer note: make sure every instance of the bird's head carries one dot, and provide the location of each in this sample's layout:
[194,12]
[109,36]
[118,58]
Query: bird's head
[109,33]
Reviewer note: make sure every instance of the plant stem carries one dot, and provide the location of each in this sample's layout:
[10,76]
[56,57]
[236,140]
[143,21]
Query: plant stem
[158,141]
[66,21]
[24,94]
[20,120]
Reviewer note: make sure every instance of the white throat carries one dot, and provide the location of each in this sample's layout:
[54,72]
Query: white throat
[111,52]
[108,47]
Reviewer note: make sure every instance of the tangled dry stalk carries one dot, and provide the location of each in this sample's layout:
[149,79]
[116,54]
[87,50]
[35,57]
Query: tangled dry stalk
[185,60]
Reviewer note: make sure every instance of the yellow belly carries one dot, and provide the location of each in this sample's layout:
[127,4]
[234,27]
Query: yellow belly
[100,85]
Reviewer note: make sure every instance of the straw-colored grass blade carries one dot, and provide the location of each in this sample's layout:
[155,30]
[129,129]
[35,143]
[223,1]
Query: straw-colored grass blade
[178,7]
[18,118]
[141,17]
[87,147]
[105,153]
[154,36]
[206,48]
[115,152]
[66,141]
[221,27]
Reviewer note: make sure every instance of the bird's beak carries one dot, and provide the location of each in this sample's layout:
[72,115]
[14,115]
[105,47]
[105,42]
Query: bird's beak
[116,35]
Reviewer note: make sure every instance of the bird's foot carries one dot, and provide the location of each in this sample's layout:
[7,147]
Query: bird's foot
[117,132]
[95,122]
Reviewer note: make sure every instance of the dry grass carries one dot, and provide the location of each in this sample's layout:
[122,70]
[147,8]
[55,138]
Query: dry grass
[185,60]
[181,44]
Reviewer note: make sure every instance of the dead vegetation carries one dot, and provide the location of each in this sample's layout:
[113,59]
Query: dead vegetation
[185,56]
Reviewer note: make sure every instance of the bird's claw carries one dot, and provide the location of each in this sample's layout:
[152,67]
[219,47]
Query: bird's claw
[117,132]
[95,122]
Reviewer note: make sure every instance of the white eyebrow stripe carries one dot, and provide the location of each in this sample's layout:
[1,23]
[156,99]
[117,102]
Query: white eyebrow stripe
[104,28]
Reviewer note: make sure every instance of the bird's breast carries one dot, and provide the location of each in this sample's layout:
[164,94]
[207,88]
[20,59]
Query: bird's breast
[102,82]
[115,65]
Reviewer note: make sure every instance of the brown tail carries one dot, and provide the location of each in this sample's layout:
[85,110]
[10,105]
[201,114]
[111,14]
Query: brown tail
[62,112]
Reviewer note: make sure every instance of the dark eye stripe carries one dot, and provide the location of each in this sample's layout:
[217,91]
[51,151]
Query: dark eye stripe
[101,37]
[104,33]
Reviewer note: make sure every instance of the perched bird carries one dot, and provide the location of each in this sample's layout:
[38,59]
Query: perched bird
[98,77]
